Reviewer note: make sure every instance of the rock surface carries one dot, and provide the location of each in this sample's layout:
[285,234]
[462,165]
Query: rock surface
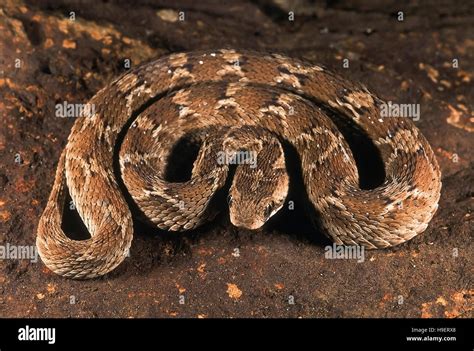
[56,51]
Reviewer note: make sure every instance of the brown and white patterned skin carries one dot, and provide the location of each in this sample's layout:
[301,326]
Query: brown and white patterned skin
[229,101]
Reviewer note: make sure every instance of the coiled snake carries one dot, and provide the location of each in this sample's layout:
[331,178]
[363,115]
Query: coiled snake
[233,103]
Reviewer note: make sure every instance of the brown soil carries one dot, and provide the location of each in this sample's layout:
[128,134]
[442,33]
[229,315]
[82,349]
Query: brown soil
[47,58]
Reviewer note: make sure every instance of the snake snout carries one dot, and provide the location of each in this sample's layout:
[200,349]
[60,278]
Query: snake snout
[246,222]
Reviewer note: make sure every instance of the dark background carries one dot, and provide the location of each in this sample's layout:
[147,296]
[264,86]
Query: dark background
[221,271]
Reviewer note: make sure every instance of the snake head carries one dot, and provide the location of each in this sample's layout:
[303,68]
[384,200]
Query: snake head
[257,194]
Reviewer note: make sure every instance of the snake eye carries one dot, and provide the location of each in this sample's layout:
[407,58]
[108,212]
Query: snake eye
[229,200]
[268,210]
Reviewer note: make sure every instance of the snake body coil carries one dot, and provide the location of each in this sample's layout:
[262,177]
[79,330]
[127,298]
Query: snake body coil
[233,103]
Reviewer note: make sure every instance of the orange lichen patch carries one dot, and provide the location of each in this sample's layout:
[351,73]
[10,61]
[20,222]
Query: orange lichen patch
[447,154]
[69,44]
[172,314]
[51,288]
[445,83]
[426,95]
[432,73]
[40,296]
[205,252]
[168,250]
[48,43]
[233,291]
[15,27]
[385,299]
[46,270]
[64,24]
[40,94]
[460,119]
[167,15]
[398,254]
[5,216]
[2,137]
[404,85]
[201,268]
[143,294]
[8,82]
[279,286]
[108,40]
[181,290]
[24,111]
[136,50]
[462,303]
[15,103]
[425,313]
[24,186]
[201,316]
[456,305]
[221,260]
[463,107]
[262,250]
[447,64]
[465,76]
[465,46]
